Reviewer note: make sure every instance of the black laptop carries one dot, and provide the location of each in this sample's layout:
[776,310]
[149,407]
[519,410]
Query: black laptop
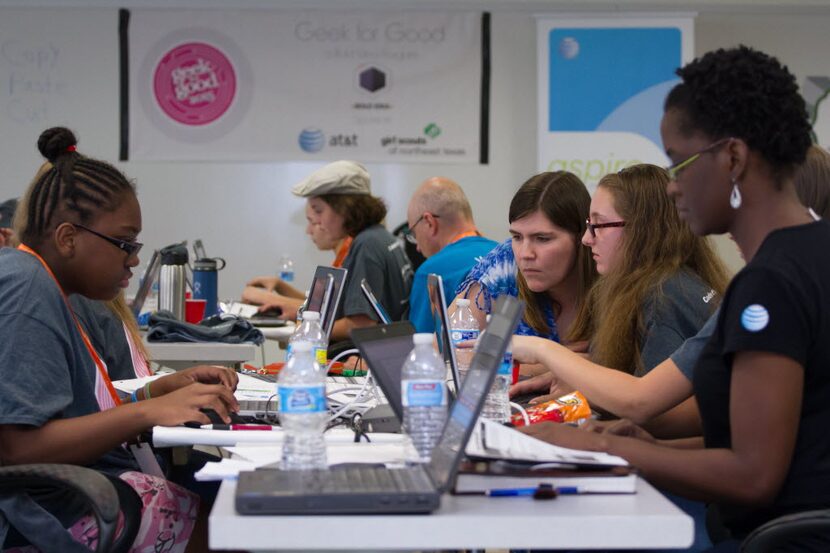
[378,490]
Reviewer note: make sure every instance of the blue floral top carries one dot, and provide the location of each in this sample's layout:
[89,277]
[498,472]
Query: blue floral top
[496,276]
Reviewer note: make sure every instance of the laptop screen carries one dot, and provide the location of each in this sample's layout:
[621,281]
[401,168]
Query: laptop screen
[435,290]
[383,316]
[385,349]
[146,283]
[324,296]
[479,379]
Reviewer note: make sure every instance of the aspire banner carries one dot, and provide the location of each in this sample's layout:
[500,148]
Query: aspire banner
[602,83]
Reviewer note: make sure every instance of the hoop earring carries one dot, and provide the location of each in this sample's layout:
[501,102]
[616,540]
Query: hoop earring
[735,198]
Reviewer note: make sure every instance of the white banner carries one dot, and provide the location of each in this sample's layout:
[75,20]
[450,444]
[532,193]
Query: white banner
[602,83]
[376,86]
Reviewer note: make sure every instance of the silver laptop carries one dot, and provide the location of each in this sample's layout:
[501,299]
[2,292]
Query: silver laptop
[149,277]
[378,490]
[377,307]
[441,320]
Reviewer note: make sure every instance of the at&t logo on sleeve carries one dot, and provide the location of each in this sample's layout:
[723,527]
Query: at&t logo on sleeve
[755,317]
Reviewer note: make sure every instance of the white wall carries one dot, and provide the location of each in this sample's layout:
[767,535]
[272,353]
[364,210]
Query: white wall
[245,212]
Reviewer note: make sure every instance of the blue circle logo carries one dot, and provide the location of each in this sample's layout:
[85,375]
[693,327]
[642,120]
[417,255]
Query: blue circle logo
[312,140]
[569,48]
[755,317]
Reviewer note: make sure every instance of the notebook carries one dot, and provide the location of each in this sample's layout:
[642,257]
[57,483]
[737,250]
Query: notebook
[380,490]
[435,290]
[325,298]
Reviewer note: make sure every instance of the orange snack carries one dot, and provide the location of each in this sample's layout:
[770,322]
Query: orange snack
[571,407]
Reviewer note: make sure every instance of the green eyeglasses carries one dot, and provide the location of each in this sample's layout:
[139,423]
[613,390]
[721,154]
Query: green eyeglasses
[675,170]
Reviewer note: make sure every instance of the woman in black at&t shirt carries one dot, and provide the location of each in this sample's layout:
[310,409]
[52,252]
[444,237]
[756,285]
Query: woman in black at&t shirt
[735,129]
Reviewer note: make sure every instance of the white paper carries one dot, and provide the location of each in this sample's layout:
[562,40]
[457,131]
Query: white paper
[495,441]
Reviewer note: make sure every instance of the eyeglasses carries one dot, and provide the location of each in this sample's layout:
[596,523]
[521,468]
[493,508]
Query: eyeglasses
[675,170]
[130,248]
[409,233]
[592,228]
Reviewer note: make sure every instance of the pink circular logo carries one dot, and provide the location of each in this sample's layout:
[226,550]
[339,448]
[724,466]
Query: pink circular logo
[194,83]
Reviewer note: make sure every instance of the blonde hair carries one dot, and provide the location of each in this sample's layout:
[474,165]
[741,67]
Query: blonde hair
[812,181]
[655,245]
[120,309]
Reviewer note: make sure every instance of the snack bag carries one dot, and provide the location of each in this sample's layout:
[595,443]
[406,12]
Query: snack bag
[571,407]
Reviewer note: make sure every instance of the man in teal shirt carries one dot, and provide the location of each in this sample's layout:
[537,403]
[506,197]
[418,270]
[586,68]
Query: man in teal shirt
[441,225]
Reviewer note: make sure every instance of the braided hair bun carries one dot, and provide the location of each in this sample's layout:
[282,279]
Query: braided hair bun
[55,142]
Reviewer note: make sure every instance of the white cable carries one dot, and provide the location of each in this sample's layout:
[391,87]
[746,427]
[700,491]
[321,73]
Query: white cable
[522,411]
[348,405]
[341,355]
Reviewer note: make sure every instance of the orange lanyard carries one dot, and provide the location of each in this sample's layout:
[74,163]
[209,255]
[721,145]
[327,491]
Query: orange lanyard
[463,235]
[102,370]
[342,252]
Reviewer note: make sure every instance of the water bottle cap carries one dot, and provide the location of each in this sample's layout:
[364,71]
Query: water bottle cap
[488,317]
[311,316]
[462,302]
[422,338]
[301,346]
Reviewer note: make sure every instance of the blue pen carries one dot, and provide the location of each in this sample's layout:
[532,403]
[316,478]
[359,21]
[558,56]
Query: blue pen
[510,492]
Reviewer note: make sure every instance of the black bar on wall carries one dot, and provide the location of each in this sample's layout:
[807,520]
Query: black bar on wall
[484,139]
[124,82]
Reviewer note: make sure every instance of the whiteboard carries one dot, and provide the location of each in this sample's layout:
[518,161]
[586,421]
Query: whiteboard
[57,67]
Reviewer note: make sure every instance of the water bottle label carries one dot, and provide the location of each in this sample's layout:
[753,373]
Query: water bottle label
[302,399]
[423,393]
[464,335]
[506,367]
[320,355]
[287,276]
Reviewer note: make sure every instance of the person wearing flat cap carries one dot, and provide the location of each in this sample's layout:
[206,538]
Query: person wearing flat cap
[341,209]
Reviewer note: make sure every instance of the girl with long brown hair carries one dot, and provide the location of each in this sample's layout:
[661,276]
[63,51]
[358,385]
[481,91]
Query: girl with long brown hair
[659,282]
[543,263]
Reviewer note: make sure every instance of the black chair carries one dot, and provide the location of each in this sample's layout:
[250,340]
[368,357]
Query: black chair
[415,257]
[777,533]
[102,495]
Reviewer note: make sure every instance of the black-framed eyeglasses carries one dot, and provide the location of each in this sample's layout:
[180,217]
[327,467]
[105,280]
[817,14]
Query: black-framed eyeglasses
[409,233]
[130,248]
[592,227]
[675,170]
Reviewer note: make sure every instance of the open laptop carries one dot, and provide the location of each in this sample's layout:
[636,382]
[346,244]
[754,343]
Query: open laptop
[378,490]
[435,291]
[384,348]
[325,299]
[148,278]
[377,307]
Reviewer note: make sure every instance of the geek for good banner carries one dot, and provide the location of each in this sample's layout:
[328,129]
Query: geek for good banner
[379,86]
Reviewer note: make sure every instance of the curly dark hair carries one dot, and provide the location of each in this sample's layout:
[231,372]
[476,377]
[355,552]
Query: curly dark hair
[359,211]
[743,93]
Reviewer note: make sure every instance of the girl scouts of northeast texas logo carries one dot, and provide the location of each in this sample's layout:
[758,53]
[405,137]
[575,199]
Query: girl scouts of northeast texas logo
[194,83]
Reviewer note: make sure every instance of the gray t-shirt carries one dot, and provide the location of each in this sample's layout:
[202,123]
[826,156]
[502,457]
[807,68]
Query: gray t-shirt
[685,357]
[46,371]
[379,258]
[674,315]
[106,332]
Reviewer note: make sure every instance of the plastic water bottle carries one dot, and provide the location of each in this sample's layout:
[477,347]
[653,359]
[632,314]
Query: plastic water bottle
[497,403]
[309,330]
[286,269]
[424,396]
[301,387]
[463,328]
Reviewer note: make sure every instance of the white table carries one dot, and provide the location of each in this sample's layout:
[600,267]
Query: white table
[642,520]
[281,334]
[179,355]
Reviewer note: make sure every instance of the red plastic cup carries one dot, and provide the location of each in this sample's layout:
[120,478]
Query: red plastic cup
[194,310]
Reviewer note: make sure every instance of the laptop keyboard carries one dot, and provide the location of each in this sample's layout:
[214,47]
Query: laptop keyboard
[353,480]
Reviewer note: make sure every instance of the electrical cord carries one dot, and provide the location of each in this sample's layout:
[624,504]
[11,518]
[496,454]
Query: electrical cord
[521,411]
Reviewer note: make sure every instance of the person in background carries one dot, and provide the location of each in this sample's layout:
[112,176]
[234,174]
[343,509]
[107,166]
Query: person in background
[342,206]
[59,406]
[272,288]
[441,224]
[761,382]
[543,262]
[7,209]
